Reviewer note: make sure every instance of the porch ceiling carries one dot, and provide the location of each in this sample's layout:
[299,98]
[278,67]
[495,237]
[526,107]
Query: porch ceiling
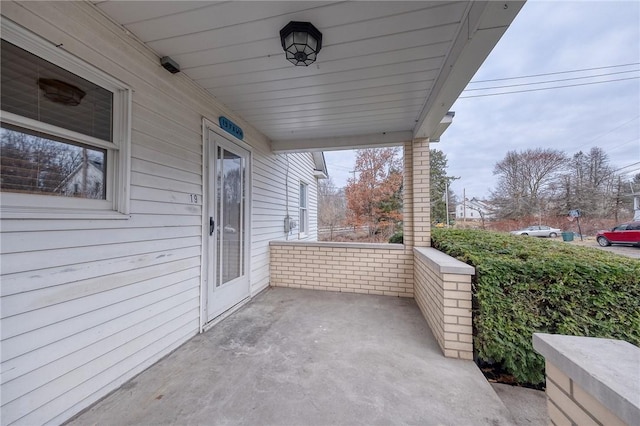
[388,71]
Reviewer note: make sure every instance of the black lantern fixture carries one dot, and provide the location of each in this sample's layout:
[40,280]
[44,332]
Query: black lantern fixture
[301,42]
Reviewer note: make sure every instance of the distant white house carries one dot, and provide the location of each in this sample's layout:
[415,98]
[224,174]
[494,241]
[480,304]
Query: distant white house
[474,209]
[86,181]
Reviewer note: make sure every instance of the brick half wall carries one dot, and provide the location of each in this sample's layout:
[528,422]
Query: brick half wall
[590,380]
[383,269]
[443,293]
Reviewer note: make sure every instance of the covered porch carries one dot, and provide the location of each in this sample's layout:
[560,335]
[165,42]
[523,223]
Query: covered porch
[121,287]
[295,356]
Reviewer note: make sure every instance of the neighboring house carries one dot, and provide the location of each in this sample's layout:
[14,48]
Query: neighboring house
[474,209]
[87,180]
[204,167]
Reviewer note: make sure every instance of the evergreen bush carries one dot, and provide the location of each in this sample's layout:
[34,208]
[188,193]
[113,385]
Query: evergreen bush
[525,285]
[397,238]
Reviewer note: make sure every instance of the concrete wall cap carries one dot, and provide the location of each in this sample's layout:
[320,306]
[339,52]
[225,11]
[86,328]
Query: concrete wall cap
[608,369]
[333,244]
[442,262]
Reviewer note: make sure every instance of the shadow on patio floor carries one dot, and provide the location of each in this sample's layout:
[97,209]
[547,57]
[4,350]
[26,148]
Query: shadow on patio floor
[302,357]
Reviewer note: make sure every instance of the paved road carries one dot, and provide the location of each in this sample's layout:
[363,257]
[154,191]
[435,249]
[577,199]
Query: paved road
[629,251]
[633,252]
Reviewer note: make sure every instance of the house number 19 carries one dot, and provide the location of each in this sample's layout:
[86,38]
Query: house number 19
[194,198]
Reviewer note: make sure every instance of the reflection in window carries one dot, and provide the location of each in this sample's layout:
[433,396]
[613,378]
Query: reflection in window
[33,164]
[37,89]
[230,212]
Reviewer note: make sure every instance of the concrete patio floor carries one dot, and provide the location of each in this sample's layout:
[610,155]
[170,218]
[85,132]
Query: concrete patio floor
[302,357]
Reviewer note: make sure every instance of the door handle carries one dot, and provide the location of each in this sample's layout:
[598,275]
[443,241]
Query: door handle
[212,225]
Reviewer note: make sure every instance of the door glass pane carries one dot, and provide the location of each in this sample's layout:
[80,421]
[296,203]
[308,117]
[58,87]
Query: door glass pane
[231,203]
[242,215]
[218,215]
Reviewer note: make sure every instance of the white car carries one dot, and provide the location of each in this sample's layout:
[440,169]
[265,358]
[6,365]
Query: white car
[538,231]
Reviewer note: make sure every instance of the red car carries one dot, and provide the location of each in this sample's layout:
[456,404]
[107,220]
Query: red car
[626,233]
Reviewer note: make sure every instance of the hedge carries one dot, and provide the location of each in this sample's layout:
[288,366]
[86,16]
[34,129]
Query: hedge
[397,238]
[525,285]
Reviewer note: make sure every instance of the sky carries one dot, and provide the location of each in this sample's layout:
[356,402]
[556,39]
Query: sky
[546,37]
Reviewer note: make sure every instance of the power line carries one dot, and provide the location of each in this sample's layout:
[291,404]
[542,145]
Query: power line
[626,167]
[547,88]
[550,81]
[623,144]
[610,131]
[553,73]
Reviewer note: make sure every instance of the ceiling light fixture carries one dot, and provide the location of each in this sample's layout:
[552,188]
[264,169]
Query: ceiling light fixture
[301,42]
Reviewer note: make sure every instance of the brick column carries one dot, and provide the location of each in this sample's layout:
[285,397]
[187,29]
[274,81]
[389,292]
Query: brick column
[421,194]
[407,198]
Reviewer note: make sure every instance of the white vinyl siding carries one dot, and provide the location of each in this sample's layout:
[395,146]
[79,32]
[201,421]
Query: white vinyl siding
[86,304]
[270,203]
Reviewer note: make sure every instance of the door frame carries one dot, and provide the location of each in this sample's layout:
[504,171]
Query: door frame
[208,125]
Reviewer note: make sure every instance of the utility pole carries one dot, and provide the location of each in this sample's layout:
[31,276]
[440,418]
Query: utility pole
[464,204]
[636,203]
[85,172]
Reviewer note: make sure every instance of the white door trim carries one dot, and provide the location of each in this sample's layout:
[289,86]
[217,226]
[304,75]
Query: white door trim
[207,126]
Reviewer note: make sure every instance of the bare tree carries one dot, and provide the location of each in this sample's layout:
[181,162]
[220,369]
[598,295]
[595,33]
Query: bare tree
[591,185]
[31,164]
[331,206]
[525,179]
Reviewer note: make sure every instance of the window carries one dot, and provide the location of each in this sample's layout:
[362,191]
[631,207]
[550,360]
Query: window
[304,213]
[64,136]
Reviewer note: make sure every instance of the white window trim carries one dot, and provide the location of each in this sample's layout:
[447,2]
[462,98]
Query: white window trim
[118,171]
[303,211]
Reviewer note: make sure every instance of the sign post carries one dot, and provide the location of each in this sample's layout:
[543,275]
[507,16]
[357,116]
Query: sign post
[576,214]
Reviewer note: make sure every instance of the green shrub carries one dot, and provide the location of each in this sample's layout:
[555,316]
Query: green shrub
[397,238]
[525,285]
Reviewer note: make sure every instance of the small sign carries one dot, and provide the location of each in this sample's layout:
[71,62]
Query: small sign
[574,213]
[231,127]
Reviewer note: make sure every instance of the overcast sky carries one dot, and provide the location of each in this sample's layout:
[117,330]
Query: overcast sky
[546,37]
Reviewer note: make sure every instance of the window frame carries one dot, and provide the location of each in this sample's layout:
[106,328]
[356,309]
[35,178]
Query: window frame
[118,152]
[303,211]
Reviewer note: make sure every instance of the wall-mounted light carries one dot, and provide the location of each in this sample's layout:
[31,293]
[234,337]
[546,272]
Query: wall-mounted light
[61,92]
[301,42]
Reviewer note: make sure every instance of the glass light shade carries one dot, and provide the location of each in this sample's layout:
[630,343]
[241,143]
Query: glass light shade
[301,42]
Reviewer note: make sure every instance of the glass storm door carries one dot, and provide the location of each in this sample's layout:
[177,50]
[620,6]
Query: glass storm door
[228,279]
